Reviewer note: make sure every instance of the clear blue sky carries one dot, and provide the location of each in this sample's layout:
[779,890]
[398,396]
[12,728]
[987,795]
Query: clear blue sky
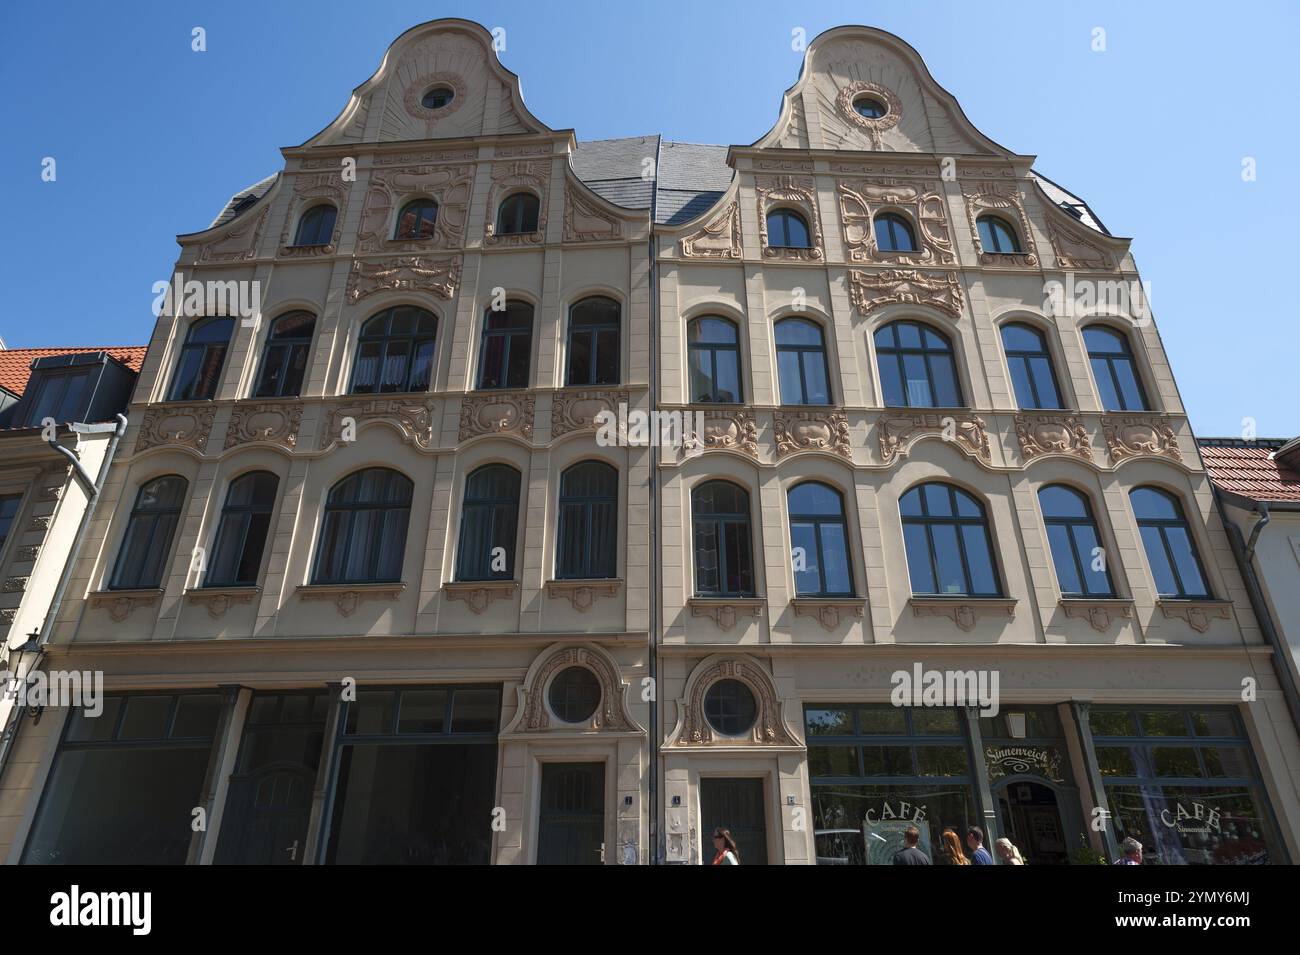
[151,138]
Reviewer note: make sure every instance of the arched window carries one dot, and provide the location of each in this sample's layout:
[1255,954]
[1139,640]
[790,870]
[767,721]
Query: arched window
[724,564]
[713,352]
[1076,551]
[284,357]
[507,347]
[801,363]
[363,536]
[594,342]
[997,236]
[894,233]
[488,521]
[1114,370]
[241,533]
[147,545]
[917,369]
[787,229]
[586,544]
[199,371]
[819,541]
[947,538]
[1167,539]
[316,227]
[1030,362]
[518,214]
[417,220]
[395,352]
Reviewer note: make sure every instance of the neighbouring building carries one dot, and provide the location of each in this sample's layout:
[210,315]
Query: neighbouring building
[372,583]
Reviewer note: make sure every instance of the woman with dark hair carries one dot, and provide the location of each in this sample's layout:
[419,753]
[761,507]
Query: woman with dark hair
[728,854]
[952,853]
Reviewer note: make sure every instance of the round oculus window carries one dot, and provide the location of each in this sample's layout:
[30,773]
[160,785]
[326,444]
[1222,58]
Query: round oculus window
[437,98]
[574,695]
[730,708]
[869,107]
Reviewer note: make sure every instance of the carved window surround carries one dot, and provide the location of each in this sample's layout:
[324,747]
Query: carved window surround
[121,603]
[921,202]
[177,424]
[789,192]
[726,611]
[1001,199]
[575,409]
[582,594]
[1100,612]
[275,420]
[769,728]
[1196,613]
[218,600]
[534,714]
[1040,433]
[479,594]
[726,428]
[347,597]
[965,612]
[829,611]
[812,429]
[497,412]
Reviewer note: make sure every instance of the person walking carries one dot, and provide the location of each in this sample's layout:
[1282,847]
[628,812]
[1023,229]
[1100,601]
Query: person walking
[910,854]
[1132,850]
[725,846]
[1007,852]
[952,853]
[975,841]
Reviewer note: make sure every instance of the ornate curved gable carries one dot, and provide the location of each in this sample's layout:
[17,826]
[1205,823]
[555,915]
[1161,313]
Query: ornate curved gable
[454,53]
[847,62]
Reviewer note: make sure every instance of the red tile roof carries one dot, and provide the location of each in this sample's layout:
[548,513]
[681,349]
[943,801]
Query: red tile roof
[16,363]
[1250,469]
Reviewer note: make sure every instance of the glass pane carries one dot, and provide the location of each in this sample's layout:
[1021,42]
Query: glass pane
[887,761]
[882,721]
[835,559]
[918,559]
[803,550]
[818,390]
[196,716]
[422,711]
[1067,577]
[1110,400]
[936,722]
[1164,723]
[475,711]
[942,761]
[947,554]
[832,761]
[828,721]
[371,713]
[1214,723]
[1189,572]
[787,364]
[146,717]
[1153,542]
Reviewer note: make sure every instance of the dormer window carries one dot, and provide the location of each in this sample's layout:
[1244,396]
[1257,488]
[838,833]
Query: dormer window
[59,395]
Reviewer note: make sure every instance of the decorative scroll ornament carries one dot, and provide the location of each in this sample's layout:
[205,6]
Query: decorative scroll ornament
[769,728]
[964,613]
[415,90]
[307,188]
[611,715]
[873,126]
[722,430]
[185,426]
[726,613]
[717,239]
[1002,199]
[276,422]
[479,594]
[799,192]
[812,431]
[1196,613]
[862,200]
[582,594]
[828,612]
[497,413]
[411,417]
[584,221]
[964,430]
[217,602]
[1074,250]
[390,189]
[577,410]
[346,599]
[517,176]
[121,603]
[416,273]
[1041,434]
[238,244]
[1098,613]
[872,290]
[1130,436]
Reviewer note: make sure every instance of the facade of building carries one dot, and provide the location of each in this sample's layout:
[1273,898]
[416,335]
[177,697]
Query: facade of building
[374,583]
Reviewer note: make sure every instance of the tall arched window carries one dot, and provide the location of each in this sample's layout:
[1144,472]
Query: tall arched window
[917,368]
[417,220]
[819,541]
[363,535]
[713,353]
[395,352]
[594,342]
[1030,362]
[1167,539]
[198,373]
[507,347]
[241,533]
[587,540]
[284,357]
[1114,370]
[801,363]
[947,538]
[997,236]
[894,233]
[147,545]
[1076,551]
[316,227]
[518,214]
[724,563]
[787,229]
[489,518]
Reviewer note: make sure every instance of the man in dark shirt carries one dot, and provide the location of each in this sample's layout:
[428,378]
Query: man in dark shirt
[910,854]
[975,840]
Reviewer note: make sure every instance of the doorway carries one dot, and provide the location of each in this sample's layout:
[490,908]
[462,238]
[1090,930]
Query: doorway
[1031,819]
[571,823]
[738,805]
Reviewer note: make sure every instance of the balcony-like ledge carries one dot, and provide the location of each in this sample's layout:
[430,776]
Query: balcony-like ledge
[724,611]
[217,600]
[120,603]
[479,594]
[1197,613]
[347,597]
[828,611]
[582,594]
[1098,611]
[965,612]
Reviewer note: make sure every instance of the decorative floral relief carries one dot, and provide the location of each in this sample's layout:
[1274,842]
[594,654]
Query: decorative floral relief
[306,189]
[873,126]
[723,430]
[964,614]
[1003,199]
[584,221]
[1130,436]
[497,412]
[276,422]
[239,243]
[828,613]
[412,416]
[799,192]
[389,189]
[478,595]
[726,613]
[1197,614]
[347,599]
[862,200]
[185,426]
[217,602]
[582,594]
[577,410]
[1040,434]
[609,716]
[826,430]
[120,604]
[769,728]
[508,177]
[965,430]
[416,88]
[1098,613]
[415,273]
[1074,250]
[717,239]
[414,159]
[872,290]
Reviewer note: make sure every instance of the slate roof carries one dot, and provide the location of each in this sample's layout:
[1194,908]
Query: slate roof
[256,191]
[1254,469]
[614,169]
[16,363]
[692,177]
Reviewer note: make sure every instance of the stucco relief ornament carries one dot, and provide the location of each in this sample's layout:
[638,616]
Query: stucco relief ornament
[717,239]
[609,715]
[577,410]
[860,202]
[415,273]
[185,426]
[239,243]
[812,431]
[416,89]
[264,421]
[967,431]
[1052,434]
[1002,198]
[412,417]
[874,127]
[516,176]
[500,413]
[1074,250]
[585,222]
[872,290]
[769,728]
[449,186]
[306,189]
[799,192]
[1129,436]
[731,431]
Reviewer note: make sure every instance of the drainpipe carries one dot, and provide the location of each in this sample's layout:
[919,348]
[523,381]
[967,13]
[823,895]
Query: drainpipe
[1261,508]
[654,810]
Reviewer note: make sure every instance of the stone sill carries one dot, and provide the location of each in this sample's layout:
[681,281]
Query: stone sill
[218,600]
[347,597]
[479,594]
[582,593]
[725,611]
[121,603]
[1098,611]
[828,611]
[965,612]
[1196,612]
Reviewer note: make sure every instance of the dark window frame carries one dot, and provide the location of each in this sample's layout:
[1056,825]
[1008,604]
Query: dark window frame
[713,349]
[232,512]
[721,521]
[425,224]
[898,353]
[415,342]
[311,219]
[497,508]
[1162,526]
[1109,360]
[581,566]
[520,212]
[374,545]
[592,331]
[280,356]
[181,390]
[1071,523]
[894,223]
[1023,355]
[801,351]
[957,521]
[780,237]
[818,521]
[155,515]
[512,339]
[993,243]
